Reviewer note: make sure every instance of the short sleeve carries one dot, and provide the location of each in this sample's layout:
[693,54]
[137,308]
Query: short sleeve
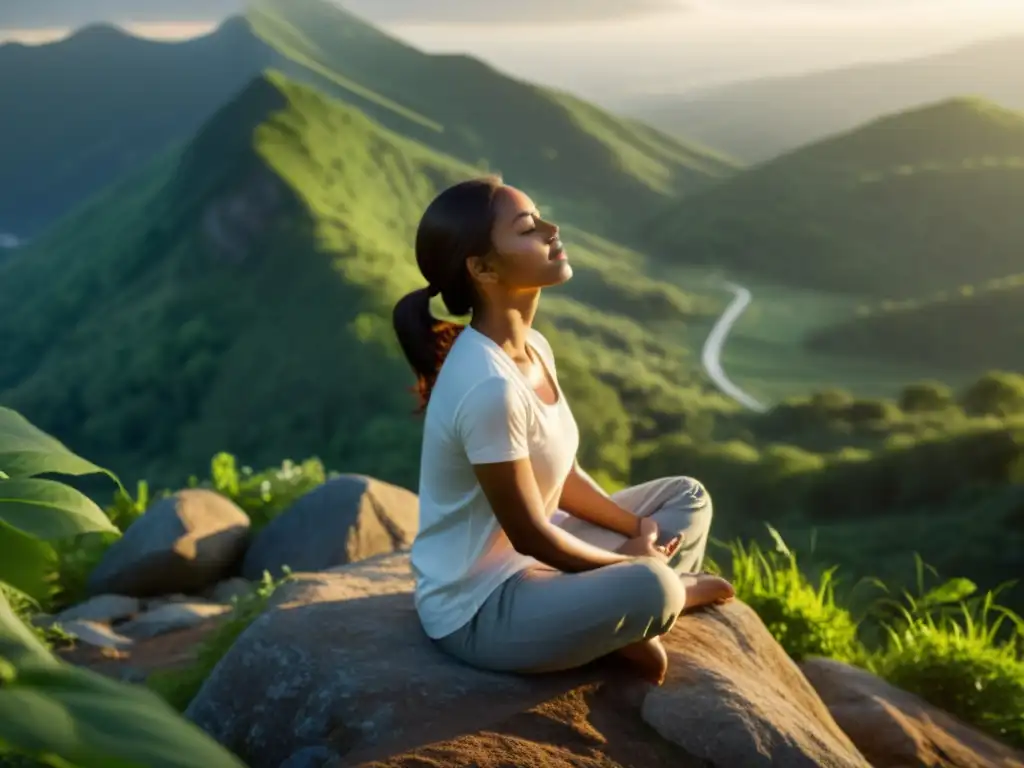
[493,423]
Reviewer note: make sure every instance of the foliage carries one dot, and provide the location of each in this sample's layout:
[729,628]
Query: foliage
[803,617]
[970,328]
[50,711]
[961,653]
[179,686]
[330,250]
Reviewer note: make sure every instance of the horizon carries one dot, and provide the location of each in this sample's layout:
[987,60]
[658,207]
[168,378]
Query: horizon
[665,52]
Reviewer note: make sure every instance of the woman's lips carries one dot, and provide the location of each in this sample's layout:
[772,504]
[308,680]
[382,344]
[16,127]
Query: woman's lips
[557,251]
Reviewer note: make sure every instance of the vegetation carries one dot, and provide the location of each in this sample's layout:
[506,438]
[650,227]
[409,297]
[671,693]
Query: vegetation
[586,165]
[138,353]
[891,209]
[972,327]
[869,479]
[51,712]
[958,650]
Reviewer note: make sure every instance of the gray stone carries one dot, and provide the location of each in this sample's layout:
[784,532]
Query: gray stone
[340,659]
[230,589]
[171,618]
[102,608]
[345,520]
[98,635]
[183,543]
[734,698]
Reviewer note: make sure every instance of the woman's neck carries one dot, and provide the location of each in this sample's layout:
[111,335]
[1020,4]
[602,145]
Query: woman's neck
[509,323]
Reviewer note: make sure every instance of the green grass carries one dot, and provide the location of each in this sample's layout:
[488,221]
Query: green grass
[849,215]
[957,649]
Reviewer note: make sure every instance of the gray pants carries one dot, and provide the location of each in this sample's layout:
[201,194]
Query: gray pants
[544,620]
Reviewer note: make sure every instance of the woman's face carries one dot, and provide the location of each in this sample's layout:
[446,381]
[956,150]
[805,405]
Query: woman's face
[528,251]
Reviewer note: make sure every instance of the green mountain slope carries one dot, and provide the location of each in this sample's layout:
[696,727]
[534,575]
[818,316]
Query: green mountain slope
[81,112]
[807,108]
[544,141]
[236,295]
[906,205]
[972,327]
[130,99]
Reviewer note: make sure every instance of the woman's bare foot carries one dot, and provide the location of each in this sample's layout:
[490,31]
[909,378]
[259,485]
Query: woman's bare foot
[648,658]
[705,589]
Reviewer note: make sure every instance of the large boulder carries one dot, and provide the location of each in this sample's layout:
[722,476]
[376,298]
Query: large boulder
[734,698]
[894,728]
[338,670]
[345,520]
[183,543]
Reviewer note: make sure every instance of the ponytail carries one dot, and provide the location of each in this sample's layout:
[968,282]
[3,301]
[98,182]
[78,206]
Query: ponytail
[424,339]
[455,226]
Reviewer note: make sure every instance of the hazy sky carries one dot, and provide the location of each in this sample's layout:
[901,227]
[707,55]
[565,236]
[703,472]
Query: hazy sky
[605,49]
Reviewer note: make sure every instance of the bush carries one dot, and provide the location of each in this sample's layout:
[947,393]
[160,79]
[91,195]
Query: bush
[925,397]
[963,657]
[804,618]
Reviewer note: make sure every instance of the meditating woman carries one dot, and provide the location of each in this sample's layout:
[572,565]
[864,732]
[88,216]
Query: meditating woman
[522,563]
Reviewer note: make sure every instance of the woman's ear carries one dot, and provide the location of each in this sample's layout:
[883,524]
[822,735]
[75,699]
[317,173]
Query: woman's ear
[481,269]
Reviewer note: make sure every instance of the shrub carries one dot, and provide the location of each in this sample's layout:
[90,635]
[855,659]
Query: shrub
[804,618]
[963,657]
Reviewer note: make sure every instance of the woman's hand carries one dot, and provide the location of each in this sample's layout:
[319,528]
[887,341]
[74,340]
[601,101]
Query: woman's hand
[645,545]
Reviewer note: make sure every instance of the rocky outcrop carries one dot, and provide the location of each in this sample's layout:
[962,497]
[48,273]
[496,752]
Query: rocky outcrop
[340,667]
[733,697]
[185,542]
[894,728]
[345,520]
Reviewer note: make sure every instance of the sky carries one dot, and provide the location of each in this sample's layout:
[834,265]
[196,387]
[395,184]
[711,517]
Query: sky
[607,50]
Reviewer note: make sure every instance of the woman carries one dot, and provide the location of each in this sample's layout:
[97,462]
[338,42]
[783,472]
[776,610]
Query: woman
[522,563]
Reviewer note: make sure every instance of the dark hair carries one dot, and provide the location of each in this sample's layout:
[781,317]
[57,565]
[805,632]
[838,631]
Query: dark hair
[455,226]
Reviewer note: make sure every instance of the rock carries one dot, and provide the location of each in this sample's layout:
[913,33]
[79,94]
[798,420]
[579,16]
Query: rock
[183,543]
[894,728]
[106,609]
[339,660]
[347,519]
[226,591]
[312,757]
[171,617]
[734,698]
[98,635]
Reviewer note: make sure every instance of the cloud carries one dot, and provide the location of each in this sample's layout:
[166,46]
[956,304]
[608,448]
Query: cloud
[525,12]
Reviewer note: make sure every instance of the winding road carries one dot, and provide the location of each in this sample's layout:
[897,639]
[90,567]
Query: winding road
[711,356]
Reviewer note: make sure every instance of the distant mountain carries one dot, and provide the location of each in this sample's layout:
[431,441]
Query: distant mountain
[82,112]
[971,327]
[129,98]
[235,294]
[760,119]
[56,14]
[908,204]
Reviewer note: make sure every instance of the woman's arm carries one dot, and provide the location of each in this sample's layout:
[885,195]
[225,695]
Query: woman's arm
[512,491]
[583,499]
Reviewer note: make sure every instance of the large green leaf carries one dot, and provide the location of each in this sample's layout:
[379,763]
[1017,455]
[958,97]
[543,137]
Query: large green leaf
[18,644]
[26,451]
[94,722]
[51,709]
[27,563]
[49,510]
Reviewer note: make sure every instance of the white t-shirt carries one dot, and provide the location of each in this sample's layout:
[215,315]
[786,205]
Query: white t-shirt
[482,410]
